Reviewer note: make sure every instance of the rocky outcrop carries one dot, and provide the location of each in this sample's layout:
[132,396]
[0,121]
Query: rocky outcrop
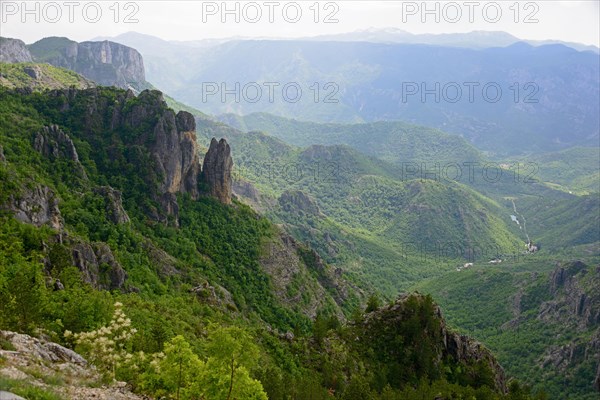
[53,143]
[572,300]
[171,142]
[34,360]
[386,323]
[293,269]
[46,351]
[597,380]
[106,63]
[98,266]
[2,157]
[247,193]
[37,206]
[216,171]
[113,205]
[297,200]
[214,295]
[14,51]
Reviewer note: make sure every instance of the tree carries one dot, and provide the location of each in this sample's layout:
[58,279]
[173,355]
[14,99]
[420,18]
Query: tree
[231,355]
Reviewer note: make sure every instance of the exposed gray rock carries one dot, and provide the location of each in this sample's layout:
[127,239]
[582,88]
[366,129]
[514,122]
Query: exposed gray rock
[43,350]
[172,143]
[214,295]
[106,63]
[114,204]
[14,51]
[98,266]
[571,301]
[9,396]
[163,263]
[2,157]
[294,200]
[216,171]
[35,72]
[38,206]
[53,143]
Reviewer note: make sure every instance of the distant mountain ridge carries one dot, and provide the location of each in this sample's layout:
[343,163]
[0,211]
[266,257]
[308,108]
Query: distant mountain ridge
[520,91]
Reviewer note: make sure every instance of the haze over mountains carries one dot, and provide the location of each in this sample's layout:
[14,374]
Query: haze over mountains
[505,100]
[325,204]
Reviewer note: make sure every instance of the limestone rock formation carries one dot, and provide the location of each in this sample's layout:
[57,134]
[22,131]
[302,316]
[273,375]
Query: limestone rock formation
[114,204]
[570,299]
[53,143]
[14,51]
[297,200]
[171,141]
[36,359]
[106,63]
[37,206]
[98,266]
[216,171]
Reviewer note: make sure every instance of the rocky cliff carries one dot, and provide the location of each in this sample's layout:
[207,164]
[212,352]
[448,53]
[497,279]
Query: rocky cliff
[53,370]
[397,323]
[106,63]
[14,51]
[216,171]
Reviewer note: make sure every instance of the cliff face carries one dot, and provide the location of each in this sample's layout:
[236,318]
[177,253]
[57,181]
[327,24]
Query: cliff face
[14,51]
[106,63]
[216,171]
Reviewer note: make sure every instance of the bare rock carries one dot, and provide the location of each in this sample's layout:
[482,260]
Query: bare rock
[38,206]
[9,396]
[297,200]
[14,51]
[47,351]
[113,204]
[214,295]
[2,157]
[53,143]
[98,266]
[216,171]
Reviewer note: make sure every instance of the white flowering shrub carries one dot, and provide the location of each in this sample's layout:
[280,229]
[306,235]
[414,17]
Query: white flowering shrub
[106,347]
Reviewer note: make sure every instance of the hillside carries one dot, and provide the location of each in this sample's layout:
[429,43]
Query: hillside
[541,318]
[40,77]
[115,241]
[396,142]
[368,82]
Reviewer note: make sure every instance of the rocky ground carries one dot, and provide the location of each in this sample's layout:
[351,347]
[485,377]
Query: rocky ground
[30,364]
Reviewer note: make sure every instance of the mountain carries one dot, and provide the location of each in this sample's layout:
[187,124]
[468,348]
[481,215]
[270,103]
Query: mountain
[116,242]
[541,318]
[396,142]
[370,81]
[14,51]
[373,81]
[106,63]
[474,39]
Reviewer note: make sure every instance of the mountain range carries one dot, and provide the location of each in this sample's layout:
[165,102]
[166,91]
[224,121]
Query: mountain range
[116,192]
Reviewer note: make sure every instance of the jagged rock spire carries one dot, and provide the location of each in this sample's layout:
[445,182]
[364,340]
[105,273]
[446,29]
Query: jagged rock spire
[216,171]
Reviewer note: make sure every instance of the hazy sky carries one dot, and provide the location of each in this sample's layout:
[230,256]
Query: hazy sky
[576,21]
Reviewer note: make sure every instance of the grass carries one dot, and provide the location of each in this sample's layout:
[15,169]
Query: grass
[27,390]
